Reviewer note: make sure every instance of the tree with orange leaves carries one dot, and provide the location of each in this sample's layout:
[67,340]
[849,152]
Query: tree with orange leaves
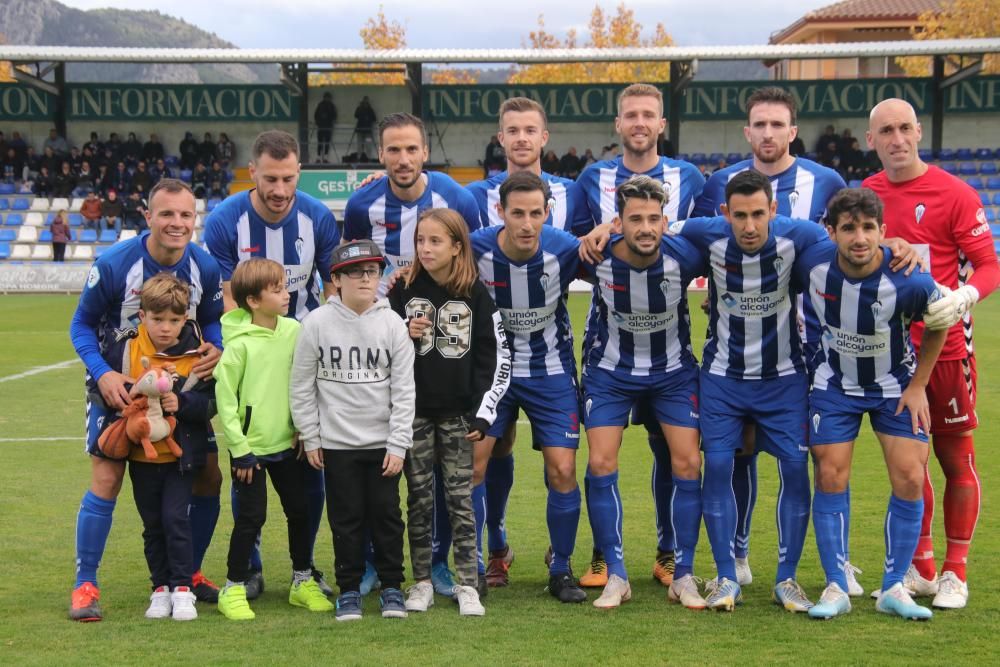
[955,20]
[620,30]
[378,34]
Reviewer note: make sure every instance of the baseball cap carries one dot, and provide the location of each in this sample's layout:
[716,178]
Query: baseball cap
[356,252]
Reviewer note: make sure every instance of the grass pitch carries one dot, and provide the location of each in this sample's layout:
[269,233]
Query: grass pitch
[45,473]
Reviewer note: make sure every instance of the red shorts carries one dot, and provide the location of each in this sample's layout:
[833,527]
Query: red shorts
[951,394]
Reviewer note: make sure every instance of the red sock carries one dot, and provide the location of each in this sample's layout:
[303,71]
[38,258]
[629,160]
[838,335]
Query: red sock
[923,557]
[961,497]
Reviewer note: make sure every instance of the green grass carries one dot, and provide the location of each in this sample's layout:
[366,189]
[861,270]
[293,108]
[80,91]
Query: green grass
[42,482]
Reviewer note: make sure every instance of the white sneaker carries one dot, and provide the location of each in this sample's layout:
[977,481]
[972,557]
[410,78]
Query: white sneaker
[743,574]
[468,601]
[915,584]
[953,593]
[616,592]
[420,596]
[897,601]
[685,591]
[833,602]
[159,603]
[854,589]
[182,600]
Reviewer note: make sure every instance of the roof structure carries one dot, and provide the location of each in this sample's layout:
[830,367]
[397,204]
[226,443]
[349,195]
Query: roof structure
[889,13]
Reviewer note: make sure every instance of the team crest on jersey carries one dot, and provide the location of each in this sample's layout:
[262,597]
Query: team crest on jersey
[93,277]
[544,281]
[588,405]
[876,308]
[793,198]
[299,244]
[918,212]
[665,285]
[676,227]
[815,420]
[779,262]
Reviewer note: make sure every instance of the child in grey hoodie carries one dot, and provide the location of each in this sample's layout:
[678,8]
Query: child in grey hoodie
[353,402]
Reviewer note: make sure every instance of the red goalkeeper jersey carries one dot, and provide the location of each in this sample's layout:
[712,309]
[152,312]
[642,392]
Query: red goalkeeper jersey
[944,219]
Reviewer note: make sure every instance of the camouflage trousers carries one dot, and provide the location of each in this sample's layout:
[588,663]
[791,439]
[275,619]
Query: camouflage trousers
[441,441]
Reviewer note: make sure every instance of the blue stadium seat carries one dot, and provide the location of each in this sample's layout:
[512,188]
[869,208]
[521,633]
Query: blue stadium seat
[925,154]
[996,199]
[996,246]
[4,250]
[984,154]
[684,156]
[993,183]
[4,204]
[171,161]
[854,183]
[976,182]
[50,217]
[20,204]
[14,219]
[45,236]
[211,204]
[950,167]
[994,230]
[7,235]
[698,158]
[733,158]
[967,168]
[946,154]
[75,220]
[987,168]
[88,236]
[185,175]
[985,198]
[963,154]
[7,189]
[108,236]
[715,157]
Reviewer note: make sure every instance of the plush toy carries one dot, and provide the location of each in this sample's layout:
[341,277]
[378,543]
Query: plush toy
[142,421]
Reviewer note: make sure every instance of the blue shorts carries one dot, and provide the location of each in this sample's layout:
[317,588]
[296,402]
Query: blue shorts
[98,415]
[672,398]
[778,407]
[552,405]
[834,417]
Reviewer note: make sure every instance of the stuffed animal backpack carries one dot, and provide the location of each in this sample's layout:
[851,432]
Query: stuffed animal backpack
[142,421]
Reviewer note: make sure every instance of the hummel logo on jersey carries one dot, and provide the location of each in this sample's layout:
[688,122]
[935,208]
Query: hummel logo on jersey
[825,296]
[253,248]
[387,225]
[495,283]
[816,419]
[918,211]
[611,286]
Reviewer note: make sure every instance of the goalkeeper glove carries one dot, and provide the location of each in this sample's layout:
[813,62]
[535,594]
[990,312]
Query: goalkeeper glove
[946,311]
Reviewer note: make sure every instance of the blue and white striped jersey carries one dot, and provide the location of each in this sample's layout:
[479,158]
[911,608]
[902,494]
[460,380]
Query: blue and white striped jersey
[303,242]
[529,297]
[598,182]
[802,191]
[374,212]
[565,210]
[109,305]
[864,323]
[639,322]
[752,332]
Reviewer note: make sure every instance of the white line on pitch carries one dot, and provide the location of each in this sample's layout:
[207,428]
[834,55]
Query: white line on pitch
[39,369]
[58,439]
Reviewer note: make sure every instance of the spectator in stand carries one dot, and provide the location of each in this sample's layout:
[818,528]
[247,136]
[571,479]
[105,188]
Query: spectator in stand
[217,173]
[797,147]
[550,162]
[206,150]
[325,117]
[610,152]
[365,117]
[120,179]
[44,183]
[51,160]
[664,146]
[103,180]
[87,155]
[56,143]
[141,179]
[131,150]
[64,182]
[829,136]
[703,171]
[85,180]
[134,212]
[111,212]
[94,144]
[91,211]
[569,164]
[216,190]
[32,164]
[587,159]
[853,164]
[152,150]
[720,165]
[13,166]
[199,181]
[115,146]
[76,159]
[105,158]
[189,151]
[830,155]
[59,227]
[160,170]
[495,159]
[18,143]
[225,151]
[3,144]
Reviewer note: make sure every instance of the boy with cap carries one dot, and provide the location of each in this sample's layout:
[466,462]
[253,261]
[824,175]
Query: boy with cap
[353,401]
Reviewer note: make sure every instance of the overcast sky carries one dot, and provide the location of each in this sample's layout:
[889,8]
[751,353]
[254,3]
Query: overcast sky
[464,24]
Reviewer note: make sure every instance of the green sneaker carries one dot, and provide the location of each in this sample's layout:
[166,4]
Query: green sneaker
[308,594]
[233,604]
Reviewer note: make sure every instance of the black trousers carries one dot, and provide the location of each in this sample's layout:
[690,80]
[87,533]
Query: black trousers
[323,135]
[162,495]
[289,479]
[361,502]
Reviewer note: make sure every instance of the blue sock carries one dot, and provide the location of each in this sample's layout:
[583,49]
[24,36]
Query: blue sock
[255,562]
[719,508]
[902,531]
[606,519]
[745,490]
[793,515]
[663,488]
[315,502]
[685,513]
[479,509]
[440,522]
[831,526]
[847,524]
[562,513]
[204,514]
[590,512]
[499,481]
[93,524]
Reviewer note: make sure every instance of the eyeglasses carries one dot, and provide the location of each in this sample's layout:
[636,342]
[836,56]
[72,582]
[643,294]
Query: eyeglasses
[357,272]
